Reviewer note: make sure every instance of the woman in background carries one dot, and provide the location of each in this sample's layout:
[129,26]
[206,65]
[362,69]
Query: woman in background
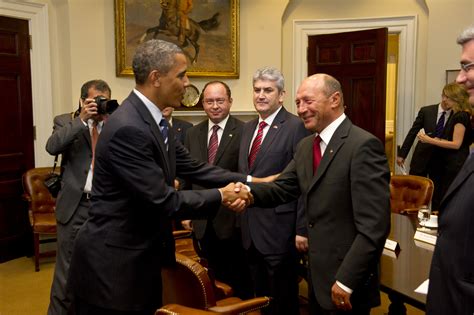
[454,147]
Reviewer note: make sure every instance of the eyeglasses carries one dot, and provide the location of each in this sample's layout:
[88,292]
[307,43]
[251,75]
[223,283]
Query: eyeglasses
[210,101]
[467,66]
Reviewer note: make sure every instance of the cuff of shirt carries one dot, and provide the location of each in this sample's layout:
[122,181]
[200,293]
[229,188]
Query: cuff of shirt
[249,178]
[347,289]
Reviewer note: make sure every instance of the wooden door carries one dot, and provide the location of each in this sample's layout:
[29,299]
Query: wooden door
[359,61]
[16,130]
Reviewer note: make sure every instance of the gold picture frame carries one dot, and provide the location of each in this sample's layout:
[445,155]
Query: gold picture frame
[211,40]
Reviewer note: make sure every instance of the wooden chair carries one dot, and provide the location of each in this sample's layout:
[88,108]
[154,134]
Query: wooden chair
[41,207]
[188,284]
[409,192]
[176,309]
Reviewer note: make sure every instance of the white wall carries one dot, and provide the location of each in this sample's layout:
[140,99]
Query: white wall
[82,42]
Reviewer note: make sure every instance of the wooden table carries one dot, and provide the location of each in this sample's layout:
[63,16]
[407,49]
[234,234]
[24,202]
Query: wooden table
[404,270]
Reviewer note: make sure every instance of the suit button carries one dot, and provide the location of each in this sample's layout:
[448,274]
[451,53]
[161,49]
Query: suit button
[311,224]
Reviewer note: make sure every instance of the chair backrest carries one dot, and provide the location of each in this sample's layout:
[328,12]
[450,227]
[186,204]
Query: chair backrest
[187,283]
[38,196]
[409,192]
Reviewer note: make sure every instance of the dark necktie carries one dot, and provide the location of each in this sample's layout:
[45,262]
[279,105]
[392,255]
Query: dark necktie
[316,153]
[440,125]
[94,138]
[213,145]
[256,143]
[164,127]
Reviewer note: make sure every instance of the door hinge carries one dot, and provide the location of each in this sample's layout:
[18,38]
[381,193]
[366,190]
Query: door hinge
[30,42]
[34,133]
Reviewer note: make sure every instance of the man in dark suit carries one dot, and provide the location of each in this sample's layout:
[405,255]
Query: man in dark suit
[268,234]
[217,140]
[451,289]
[115,268]
[179,126]
[346,200]
[72,139]
[423,159]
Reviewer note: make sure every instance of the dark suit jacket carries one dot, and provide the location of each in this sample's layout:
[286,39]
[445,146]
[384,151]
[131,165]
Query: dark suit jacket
[224,222]
[271,230]
[451,289]
[180,127]
[72,139]
[347,209]
[420,161]
[128,236]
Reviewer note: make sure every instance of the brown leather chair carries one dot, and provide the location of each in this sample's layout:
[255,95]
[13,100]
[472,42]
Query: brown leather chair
[188,284]
[41,206]
[409,192]
[176,309]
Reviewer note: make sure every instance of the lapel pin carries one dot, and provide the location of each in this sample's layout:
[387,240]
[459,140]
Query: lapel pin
[230,135]
[275,127]
[331,151]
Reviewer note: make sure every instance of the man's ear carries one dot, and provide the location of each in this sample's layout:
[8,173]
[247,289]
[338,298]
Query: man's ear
[155,78]
[335,99]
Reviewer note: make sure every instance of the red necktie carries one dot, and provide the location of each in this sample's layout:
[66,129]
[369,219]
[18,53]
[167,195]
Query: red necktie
[213,145]
[316,153]
[94,137]
[256,143]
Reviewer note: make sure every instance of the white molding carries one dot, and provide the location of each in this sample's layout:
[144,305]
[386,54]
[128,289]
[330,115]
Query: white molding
[405,26]
[37,16]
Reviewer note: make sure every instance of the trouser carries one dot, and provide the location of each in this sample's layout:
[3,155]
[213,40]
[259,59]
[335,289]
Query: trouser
[275,276]
[60,298]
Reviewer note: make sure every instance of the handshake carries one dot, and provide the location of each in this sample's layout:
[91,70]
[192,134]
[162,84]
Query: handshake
[236,196]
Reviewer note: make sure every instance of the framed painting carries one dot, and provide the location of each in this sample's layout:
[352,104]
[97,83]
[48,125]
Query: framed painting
[206,30]
[451,75]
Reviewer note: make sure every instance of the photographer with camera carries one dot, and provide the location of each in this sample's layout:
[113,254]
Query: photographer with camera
[74,137]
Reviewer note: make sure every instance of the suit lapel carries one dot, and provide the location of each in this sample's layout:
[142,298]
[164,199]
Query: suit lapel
[337,141]
[271,135]
[202,138]
[227,135]
[463,174]
[155,130]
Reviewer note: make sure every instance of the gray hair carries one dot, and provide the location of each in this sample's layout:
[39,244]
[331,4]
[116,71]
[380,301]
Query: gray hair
[153,55]
[331,85]
[466,35]
[270,74]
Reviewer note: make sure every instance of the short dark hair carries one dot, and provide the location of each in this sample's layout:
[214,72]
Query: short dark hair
[99,85]
[227,88]
[152,55]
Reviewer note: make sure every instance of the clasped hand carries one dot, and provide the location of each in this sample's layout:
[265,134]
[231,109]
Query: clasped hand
[236,196]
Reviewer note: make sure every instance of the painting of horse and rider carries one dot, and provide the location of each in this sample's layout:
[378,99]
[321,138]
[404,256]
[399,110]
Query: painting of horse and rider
[206,30]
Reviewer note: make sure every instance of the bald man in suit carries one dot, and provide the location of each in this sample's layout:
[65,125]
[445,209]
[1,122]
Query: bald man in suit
[342,173]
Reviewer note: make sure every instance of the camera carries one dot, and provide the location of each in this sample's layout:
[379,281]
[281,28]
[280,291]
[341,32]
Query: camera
[105,106]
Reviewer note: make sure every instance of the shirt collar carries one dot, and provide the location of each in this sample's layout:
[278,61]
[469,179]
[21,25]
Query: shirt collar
[152,108]
[329,131]
[221,124]
[440,110]
[269,120]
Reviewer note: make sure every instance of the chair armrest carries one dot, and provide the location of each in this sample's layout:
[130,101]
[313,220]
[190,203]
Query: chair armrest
[234,305]
[176,309]
[182,234]
[409,210]
[222,290]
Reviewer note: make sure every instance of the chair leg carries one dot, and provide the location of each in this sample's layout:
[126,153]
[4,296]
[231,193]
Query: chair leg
[36,245]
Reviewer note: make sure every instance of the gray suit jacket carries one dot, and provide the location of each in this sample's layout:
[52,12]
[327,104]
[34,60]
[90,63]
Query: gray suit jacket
[71,138]
[119,250]
[271,229]
[347,210]
[224,222]
[451,289]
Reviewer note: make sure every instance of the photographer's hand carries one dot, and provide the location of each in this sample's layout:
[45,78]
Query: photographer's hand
[88,109]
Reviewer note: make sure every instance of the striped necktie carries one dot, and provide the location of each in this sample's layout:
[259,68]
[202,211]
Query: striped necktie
[164,128]
[440,125]
[213,145]
[256,143]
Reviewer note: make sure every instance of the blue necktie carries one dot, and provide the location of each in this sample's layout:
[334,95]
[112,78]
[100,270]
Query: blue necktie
[440,125]
[164,128]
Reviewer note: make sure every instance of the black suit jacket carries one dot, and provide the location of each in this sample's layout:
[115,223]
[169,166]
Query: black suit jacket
[224,222]
[271,229]
[180,128]
[347,207]
[451,289]
[422,156]
[128,236]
